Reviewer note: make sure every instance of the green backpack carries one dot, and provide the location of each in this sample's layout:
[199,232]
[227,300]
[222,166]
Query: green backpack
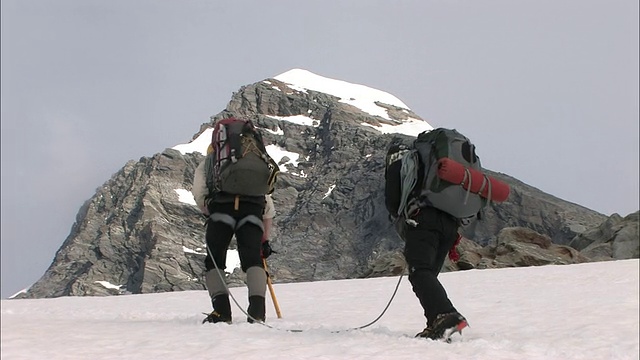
[239,163]
[421,185]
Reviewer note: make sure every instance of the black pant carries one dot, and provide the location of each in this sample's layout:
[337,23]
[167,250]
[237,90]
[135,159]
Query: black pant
[248,235]
[426,247]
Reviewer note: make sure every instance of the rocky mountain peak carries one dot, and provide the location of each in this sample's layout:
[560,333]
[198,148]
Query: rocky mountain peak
[141,232]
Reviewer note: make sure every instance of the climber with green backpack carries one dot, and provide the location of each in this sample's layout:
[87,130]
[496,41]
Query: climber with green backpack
[232,187]
[432,187]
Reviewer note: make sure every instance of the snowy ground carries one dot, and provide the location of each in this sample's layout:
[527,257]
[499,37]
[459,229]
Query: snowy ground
[586,311]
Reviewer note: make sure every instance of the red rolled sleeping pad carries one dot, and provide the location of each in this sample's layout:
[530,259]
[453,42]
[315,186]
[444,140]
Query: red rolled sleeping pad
[456,173]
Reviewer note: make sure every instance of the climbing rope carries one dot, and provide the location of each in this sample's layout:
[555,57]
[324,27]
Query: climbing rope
[395,291]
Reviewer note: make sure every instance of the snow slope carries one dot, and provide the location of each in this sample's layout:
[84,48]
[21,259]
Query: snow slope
[585,311]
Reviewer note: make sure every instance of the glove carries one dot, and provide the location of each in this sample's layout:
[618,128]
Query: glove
[266,250]
[205,207]
[453,253]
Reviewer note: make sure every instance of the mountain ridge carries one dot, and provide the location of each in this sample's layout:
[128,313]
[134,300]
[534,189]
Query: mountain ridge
[331,223]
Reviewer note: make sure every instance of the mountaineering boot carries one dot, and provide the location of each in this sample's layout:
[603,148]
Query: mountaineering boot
[256,309]
[444,326]
[221,310]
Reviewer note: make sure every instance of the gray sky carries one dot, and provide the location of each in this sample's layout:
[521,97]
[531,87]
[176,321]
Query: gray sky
[546,89]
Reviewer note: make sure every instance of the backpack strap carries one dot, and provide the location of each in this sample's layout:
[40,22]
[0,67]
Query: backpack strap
[489,187]
[485,184]
[209,167]
[467,174]
[408,179]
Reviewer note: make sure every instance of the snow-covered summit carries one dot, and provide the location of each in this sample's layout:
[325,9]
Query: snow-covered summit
[360,96]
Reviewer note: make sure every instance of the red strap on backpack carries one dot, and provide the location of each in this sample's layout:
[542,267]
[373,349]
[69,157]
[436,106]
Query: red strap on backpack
[453,253]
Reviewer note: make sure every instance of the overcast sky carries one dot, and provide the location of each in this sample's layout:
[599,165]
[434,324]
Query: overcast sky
[547,90]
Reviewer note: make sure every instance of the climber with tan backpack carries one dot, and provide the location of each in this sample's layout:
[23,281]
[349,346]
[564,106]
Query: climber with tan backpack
[231,187]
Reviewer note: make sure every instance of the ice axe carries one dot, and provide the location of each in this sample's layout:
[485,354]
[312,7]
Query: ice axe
[273,294]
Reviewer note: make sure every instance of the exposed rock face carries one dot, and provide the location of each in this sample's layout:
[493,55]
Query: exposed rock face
[616,238]
[517,246]
[137,235]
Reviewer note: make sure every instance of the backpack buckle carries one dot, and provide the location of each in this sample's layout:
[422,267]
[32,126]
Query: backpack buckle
[411,222]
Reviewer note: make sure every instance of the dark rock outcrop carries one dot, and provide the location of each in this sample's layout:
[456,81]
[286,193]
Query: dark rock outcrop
[616,238]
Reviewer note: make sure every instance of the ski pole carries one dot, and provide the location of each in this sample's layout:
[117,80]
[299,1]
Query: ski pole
[273,294]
